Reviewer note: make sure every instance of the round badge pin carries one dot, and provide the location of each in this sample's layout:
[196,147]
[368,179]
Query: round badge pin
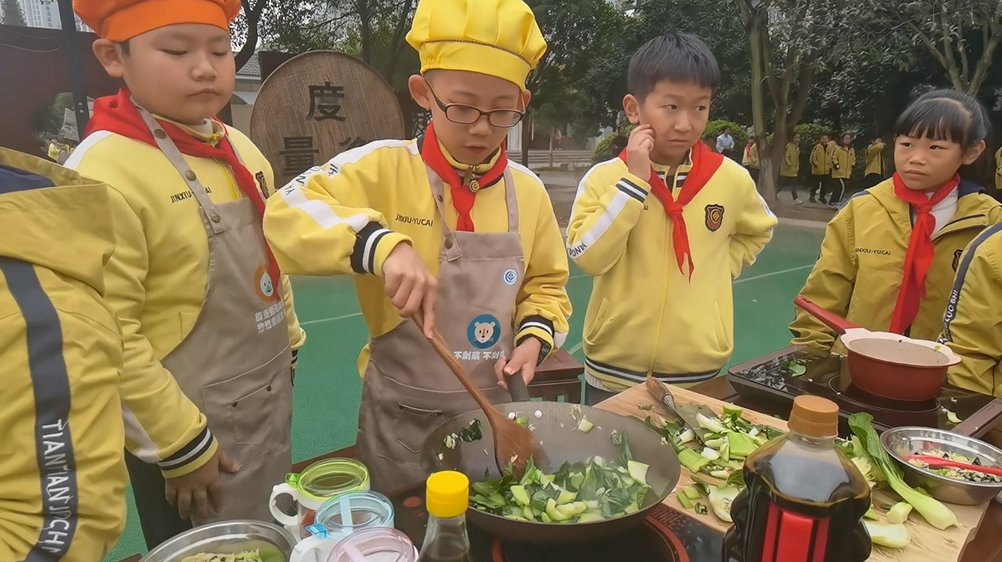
[484,332]
[510,277]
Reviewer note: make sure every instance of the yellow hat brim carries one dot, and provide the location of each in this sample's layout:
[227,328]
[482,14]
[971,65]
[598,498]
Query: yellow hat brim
[474,57]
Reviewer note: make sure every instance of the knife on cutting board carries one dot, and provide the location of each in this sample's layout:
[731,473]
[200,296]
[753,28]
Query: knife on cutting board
[685,412]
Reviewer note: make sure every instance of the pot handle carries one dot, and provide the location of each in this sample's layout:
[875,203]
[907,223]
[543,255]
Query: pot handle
[830,319]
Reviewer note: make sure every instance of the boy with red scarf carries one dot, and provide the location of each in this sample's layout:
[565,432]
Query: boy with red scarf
[442,227]
[664,229]
[889,256]
[197,291]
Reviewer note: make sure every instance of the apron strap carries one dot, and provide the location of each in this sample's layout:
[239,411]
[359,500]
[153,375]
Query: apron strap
[449,243]
[210,215]
[512,201]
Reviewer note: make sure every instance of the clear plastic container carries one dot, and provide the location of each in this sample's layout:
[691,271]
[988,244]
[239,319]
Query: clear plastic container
[321,481]
[340,517]
[374,545]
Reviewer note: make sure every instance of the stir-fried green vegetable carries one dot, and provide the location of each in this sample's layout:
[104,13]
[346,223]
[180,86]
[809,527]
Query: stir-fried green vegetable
[937,514]
[593,490]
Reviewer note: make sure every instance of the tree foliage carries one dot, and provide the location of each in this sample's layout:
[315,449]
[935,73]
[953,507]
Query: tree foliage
[961,36]
[12,14]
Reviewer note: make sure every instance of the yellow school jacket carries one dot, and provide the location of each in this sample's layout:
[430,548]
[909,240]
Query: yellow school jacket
[644,317]
[863,254]
[749,157]
[998,169]
[821,161]
[875,160]
[344,218]
[972,325]
[843,160]
[157,277]
[791,162]
[62,490]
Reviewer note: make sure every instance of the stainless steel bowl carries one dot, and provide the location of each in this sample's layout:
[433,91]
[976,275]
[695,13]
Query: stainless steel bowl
[274,543]
[902,442]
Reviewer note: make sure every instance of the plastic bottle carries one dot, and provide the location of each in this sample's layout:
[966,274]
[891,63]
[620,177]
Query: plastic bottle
[803,500]
[448,496]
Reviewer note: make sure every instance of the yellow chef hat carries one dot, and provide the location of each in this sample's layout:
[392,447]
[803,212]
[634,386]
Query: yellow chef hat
[495,37]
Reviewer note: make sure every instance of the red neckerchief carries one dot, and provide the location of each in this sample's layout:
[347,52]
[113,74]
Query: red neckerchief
[117,114]
[704,164]
[918,259]
[462,197]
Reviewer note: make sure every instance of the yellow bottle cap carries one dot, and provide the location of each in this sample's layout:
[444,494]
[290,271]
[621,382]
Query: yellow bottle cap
[448,494]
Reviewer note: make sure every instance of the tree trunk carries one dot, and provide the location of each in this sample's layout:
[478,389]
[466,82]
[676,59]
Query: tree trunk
[253,17]
[756,28]
[365,29]
[396,47]
[552,132]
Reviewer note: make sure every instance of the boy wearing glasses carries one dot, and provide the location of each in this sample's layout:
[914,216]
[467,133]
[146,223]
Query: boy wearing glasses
[443,226]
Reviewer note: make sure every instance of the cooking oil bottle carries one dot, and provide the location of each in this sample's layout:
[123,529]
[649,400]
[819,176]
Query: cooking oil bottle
[804,500]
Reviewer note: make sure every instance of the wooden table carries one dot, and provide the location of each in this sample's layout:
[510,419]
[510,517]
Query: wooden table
[985,547]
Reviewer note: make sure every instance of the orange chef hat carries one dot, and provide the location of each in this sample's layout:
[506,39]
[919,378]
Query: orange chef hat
[121,20]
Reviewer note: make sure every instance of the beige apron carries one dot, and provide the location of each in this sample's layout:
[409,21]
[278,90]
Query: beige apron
[235,364]
[408,391]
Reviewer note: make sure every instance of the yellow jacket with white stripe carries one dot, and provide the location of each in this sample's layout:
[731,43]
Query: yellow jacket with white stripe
[791,161]
[863,255]
[821,160]
[644,316]
[843,161]
[972,325]
[345,217]
[157,276]
[875,160]
[62,474]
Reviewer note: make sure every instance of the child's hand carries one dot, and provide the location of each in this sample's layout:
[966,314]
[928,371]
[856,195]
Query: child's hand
[410,286]
[523,360]
[199,494]
[638,151]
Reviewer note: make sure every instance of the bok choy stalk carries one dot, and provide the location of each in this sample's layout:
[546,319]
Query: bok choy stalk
[937,514]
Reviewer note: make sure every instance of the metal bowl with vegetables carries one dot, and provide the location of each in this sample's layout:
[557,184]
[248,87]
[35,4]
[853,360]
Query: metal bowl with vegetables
[228,541]
[964,487]
[598,475]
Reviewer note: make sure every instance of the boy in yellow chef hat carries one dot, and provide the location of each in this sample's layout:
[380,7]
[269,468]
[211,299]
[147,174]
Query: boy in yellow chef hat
[198,293]
[444,227]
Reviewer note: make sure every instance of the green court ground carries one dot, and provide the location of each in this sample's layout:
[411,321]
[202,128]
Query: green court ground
[328,388]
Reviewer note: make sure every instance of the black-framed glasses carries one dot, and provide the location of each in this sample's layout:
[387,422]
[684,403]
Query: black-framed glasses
[468,115]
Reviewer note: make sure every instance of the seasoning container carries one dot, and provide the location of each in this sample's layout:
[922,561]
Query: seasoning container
[374,545]
[804,500]
[321,481]
[341,517]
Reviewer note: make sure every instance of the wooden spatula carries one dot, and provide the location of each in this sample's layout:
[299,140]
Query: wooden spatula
[513,444]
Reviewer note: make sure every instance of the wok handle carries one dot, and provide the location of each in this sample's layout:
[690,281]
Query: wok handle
[440,347]
[830,319]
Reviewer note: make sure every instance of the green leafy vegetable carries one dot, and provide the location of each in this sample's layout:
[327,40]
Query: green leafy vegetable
[471,432]
[582,492]
[796,367]
[888,534]
[937,514]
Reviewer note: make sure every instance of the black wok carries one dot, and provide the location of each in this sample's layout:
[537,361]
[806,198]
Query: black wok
[560,441]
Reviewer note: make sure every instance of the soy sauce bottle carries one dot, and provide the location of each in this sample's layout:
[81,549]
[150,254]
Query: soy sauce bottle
[804,500]
[446,540]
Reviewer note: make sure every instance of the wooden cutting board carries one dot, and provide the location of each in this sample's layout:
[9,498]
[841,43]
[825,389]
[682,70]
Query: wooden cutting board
[927,542]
